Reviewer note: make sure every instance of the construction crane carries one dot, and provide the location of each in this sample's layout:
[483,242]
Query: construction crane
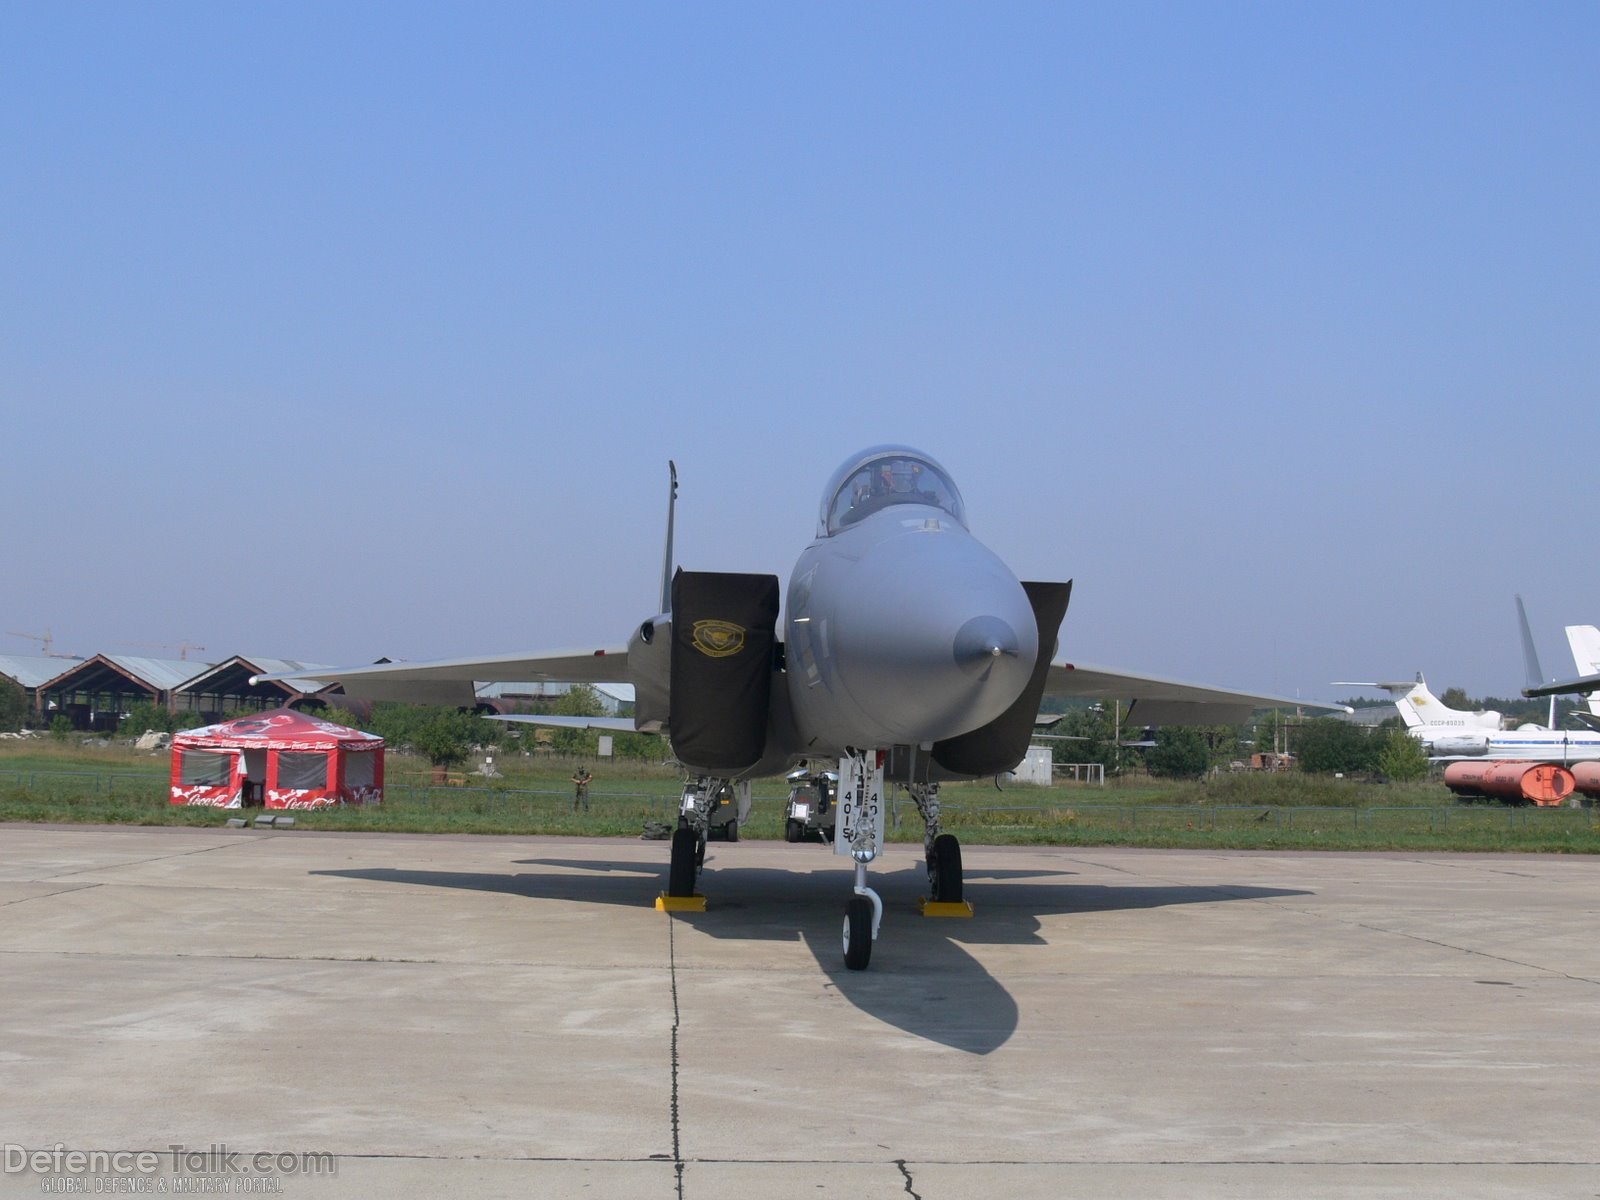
[44,639]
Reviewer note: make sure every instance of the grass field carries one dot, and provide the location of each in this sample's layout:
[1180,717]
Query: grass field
[47,781]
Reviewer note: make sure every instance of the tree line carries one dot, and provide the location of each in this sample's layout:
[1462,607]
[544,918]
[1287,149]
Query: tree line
[1321,745]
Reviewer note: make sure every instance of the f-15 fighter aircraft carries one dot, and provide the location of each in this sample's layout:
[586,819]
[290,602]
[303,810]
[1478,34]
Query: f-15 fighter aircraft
[910,655]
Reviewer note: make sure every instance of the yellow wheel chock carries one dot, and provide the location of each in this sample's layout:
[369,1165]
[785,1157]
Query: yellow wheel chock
[944,908]
[666,903]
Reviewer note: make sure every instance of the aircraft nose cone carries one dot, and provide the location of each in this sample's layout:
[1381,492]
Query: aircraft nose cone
[932,636]
[981,641]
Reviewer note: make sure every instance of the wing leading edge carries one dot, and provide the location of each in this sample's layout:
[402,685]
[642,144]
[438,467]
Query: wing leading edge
[1157,701]
[1583,684]
[452,681]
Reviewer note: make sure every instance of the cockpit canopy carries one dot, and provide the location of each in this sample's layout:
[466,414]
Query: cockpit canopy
[881,477]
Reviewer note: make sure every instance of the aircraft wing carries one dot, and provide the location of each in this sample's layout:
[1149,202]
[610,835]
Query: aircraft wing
[452,681]
[1583,683]
[1156,701]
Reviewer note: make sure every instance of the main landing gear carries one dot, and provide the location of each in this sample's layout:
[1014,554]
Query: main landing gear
[943,851]
[710,808]
[688,853]
[689,838]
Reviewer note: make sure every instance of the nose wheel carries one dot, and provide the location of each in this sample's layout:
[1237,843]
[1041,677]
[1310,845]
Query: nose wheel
[862,916]
[858,933]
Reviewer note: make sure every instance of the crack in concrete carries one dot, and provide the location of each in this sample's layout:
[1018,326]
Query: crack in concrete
[139,862]
[910,1191]
[1279,903]
[1500,958]
[677,1143]
[61,891]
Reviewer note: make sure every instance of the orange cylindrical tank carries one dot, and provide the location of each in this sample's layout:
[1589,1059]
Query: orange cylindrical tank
[1539,783]
[1586,778]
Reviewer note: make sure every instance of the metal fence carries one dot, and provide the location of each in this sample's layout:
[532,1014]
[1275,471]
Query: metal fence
[58,784]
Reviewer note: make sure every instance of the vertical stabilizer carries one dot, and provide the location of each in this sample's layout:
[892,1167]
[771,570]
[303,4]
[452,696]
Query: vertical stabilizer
[1585,643]
[1417,705]
[1530,656]
[666,562]
[1530,660]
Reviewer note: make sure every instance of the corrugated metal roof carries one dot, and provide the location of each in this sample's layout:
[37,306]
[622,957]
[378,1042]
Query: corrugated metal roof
[30,670]
[279,666]
[164,673]
[258,665]
[167,674]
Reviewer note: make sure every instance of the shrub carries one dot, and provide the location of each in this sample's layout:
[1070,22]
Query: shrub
[1179,753]
[13,704]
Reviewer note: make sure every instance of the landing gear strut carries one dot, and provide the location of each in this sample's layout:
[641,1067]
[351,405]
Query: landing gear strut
[942,849]
[689,839]
[859,833]
[861,919]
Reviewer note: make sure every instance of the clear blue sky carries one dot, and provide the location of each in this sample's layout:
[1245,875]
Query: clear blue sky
[330,331]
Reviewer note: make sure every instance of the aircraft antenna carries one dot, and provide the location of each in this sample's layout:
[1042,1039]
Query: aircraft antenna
[666,564]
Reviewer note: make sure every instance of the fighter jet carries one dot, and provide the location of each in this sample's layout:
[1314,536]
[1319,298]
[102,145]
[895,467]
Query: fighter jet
[910,655]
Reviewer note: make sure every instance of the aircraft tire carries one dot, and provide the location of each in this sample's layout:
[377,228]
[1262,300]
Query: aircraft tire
[680,877]
[944,869]
[858,933]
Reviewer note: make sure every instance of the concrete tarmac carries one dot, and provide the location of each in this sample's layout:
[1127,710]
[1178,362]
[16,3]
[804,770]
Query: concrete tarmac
[417,1016]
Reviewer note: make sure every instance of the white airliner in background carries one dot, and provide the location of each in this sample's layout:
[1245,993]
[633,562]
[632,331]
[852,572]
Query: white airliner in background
[1449,734]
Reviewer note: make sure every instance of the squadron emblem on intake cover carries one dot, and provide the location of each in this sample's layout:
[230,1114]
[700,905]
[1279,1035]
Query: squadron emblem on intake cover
[718,639]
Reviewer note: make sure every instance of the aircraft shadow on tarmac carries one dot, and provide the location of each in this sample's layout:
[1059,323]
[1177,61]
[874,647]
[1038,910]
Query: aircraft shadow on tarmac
[922,978]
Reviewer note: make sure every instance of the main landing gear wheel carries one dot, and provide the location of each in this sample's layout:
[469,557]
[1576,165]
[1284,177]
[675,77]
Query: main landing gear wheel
[685,848]
[944,869]
[858,933]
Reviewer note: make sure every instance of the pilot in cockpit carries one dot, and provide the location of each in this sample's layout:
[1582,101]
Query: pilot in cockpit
[886,480]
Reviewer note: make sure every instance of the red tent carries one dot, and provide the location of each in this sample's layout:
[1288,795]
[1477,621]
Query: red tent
[281,758]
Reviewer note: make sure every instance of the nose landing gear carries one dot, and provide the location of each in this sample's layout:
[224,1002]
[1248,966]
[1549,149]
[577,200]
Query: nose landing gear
[859,833]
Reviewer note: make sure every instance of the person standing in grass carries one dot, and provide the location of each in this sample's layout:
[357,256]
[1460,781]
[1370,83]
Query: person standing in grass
[580,789]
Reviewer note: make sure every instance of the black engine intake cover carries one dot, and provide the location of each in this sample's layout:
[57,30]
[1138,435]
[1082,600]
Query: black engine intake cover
[724,627]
